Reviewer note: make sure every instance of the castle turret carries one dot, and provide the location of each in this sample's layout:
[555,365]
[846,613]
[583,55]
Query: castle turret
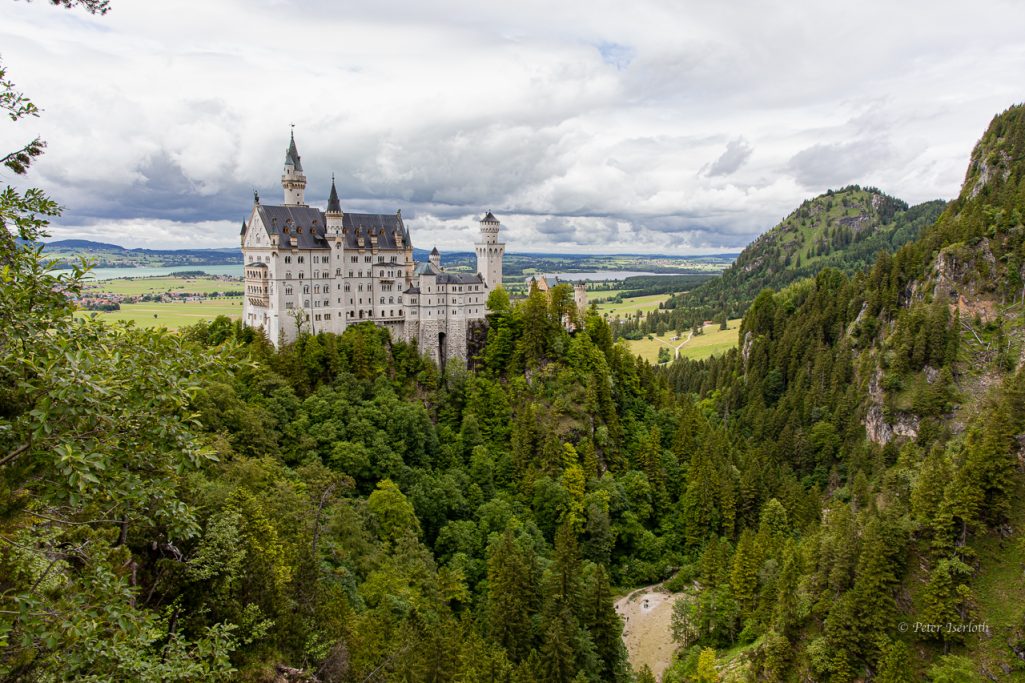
[490,251]
[293,181]
[580,297]
[334,216]
[435,258]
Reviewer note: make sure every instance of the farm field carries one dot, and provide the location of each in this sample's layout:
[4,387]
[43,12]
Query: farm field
[173,315]
[629,306]
[710,342]
[159,285]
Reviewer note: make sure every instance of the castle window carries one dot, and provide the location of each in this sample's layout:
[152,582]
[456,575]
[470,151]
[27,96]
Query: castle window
[288,289]
[366,259]
[301,259]
[382,299]
[301,275]
[347,287]
[288,275]
[350,273]
[327,316]
[338,272]
[353,259]
[289,305]
[306,303]
[306,289]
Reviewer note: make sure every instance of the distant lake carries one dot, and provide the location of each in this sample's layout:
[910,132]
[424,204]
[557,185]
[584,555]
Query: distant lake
[600,275]
[145,271]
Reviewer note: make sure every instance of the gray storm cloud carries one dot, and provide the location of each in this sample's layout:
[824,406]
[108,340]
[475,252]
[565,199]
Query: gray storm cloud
[737,152]
[586,126]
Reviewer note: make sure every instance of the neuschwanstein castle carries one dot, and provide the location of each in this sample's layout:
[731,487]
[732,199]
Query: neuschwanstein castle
[321,271]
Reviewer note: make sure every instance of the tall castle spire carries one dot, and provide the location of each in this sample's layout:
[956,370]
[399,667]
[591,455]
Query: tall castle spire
[333,204]
[293,181]
[334,216]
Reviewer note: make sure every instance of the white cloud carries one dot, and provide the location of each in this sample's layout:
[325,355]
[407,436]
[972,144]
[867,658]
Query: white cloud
[586,125]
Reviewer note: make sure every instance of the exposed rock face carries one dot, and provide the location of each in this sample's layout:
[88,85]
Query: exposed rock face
[999,165]
[745,350]
[877,428]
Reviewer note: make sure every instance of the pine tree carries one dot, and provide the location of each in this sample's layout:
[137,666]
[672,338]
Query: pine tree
[511,595]
[747,562]
[947,598]
[605,626]
[873,590]
[895,664]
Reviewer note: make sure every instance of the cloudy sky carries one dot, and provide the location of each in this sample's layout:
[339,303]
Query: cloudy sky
[667,126]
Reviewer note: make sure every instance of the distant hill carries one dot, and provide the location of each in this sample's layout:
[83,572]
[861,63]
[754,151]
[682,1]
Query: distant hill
[842,229]
[83,244]
[107,255]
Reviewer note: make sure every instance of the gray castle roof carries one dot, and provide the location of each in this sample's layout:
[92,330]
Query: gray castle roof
[460,279]
[308,225]
[489,218]
[292,155]
[444,277]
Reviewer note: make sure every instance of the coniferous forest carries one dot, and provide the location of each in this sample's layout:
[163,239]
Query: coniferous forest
[198,506]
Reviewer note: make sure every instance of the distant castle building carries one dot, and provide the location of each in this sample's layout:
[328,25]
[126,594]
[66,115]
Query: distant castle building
[545,283]
[320,271]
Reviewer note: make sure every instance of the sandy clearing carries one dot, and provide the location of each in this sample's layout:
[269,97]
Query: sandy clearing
[647,630]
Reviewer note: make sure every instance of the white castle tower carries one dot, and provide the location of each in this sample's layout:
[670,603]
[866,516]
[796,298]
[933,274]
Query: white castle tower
[490,251]
[293,180]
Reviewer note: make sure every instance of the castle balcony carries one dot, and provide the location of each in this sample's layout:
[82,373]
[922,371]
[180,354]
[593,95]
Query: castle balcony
[257,285]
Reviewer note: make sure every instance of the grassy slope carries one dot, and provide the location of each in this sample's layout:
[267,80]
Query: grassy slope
[173,315]
[630,305]
[711,342]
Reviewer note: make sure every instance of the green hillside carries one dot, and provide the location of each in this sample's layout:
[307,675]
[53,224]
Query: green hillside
[842,229]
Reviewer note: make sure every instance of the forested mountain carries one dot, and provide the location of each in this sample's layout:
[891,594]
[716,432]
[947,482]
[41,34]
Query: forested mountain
[199,506]
[843,229]
[897,397]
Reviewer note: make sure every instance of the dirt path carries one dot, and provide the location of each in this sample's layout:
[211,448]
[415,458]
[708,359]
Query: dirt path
[676,349]
[647,631]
